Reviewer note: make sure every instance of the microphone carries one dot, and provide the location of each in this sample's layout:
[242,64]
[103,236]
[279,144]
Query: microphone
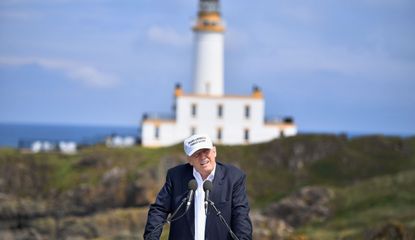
[192,186]
[207,187]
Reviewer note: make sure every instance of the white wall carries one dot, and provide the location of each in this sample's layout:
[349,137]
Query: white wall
[166,133]
[233,122]
[209,63]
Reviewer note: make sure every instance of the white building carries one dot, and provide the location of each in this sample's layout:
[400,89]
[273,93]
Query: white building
[118,141]
[228,119]
[67,147]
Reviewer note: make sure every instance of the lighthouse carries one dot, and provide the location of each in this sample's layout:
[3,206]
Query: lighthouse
[227,119]
[208,50]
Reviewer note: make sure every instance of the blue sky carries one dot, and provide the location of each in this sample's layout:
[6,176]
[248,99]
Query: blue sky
[335,66]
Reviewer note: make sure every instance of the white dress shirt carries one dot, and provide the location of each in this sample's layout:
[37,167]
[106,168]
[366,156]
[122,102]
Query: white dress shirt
[200,216]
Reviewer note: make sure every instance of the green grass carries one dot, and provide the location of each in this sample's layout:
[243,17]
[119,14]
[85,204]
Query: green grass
[368,204]
[372,176]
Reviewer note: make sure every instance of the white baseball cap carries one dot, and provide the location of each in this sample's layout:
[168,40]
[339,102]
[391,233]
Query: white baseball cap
[196,142]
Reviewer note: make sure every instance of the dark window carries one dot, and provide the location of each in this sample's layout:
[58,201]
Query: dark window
[157,132]
[194,110]
[247,111]
[219,134]
[246,135]
[220,111]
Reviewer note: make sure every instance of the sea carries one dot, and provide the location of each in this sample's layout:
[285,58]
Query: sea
[15,134]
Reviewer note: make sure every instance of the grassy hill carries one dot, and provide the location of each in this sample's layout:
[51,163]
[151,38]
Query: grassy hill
[371,177]
[363,207]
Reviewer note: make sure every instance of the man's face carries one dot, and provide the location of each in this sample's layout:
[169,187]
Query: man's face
[204,160]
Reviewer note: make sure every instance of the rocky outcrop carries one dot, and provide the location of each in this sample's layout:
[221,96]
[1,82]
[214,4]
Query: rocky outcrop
[113,191]
[269,228]
[294,155]
[304,206]
[391,230]
[16,213]
[279,220]
[115,224]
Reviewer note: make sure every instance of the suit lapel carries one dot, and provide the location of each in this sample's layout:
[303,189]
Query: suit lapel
[190,215]
[218,185]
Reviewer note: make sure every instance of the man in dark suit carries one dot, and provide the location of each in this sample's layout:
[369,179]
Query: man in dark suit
[228,195]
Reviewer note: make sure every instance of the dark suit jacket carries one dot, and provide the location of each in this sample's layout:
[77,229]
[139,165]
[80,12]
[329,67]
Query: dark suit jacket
[228,194]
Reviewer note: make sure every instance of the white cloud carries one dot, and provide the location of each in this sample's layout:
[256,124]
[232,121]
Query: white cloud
[168,36]
[87,75]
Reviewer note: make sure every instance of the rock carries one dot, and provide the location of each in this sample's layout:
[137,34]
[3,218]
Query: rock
[389,231]
[268,228]
[16,213]
[295,155]
[142,190]
[111,192]
[77,201]
[308,204]
[77,229]
[25,234]
[113,176]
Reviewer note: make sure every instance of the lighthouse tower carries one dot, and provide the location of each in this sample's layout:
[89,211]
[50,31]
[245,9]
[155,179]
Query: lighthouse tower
[209,50]
[227,119]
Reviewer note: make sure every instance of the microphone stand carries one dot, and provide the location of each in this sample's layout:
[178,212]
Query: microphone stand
[169,219]
[218,213]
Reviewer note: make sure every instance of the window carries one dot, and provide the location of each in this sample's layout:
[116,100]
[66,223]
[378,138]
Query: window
[219,134]
[220,111]
[192,131]
[247,111]
[157,132]
[246,135]
[194,110]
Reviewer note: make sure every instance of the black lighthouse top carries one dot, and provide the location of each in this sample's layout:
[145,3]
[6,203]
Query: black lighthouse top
[207,6]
